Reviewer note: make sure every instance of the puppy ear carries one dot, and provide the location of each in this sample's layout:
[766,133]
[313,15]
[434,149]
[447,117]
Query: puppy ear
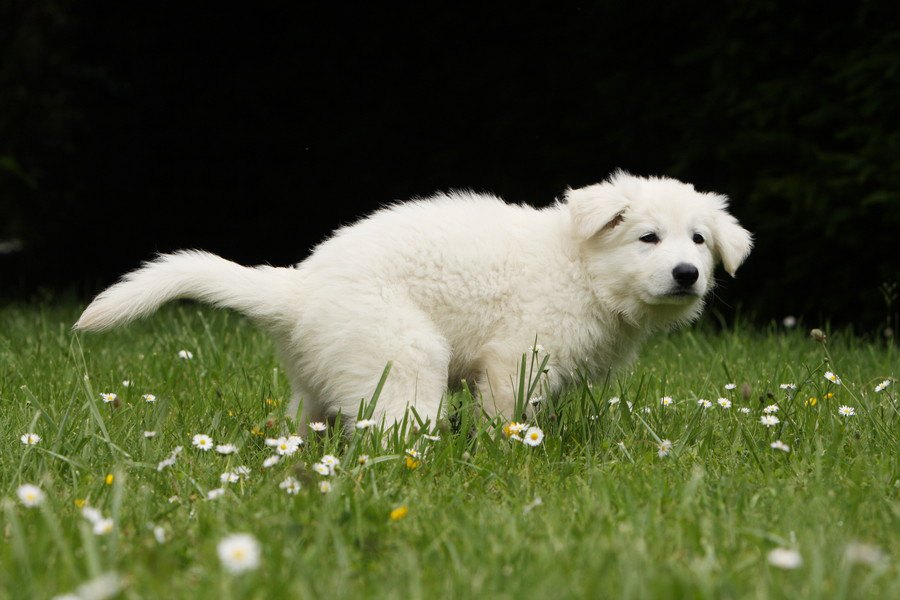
[732,242]
[595,208]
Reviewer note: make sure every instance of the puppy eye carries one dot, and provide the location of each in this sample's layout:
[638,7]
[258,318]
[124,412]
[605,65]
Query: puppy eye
[649,238]
[699,239]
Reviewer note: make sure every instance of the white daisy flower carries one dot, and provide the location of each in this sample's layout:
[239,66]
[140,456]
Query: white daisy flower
[149,434]
[779,445]
[769,420]
[91,514]
[724,402]
[784,558]
[239,552]
[30,439]
[229,477]
[647,410]
[882,386]
[321,469]
[432,438]
[185,354]
[242,471]
[330,461]
[324,486]
[537,349]
[513,429]
[362,459]
[770,409]
[666,401]
[536,400]
[226,449]
[846,411]
[126,383]
[201,441]
[365,423]
[103,526]
[318,426]
[160,534]
[30,495]
[168,462]
[704,403]
[290,485]
[788,386]
[149,398]
[272,442]
[174,499]
[285,447]
[789,321]
[108,397]
[215,493]
[271,461]
[533,436]
[665,446]
[614,400]
[744,410]
[730,386]
[832,378]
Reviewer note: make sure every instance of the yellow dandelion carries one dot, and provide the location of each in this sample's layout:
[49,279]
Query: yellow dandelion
[257,431]
[398,513]
[109,478]
[80,502]
[412,463]
[828,396]
[811,401]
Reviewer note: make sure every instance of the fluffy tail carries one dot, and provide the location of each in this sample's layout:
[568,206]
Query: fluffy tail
[263,293]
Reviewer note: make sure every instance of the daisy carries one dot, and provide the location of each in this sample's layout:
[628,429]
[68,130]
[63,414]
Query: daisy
[271,461]
[432,438]
[788,386]
[666,401]
[413,458]
[331,462]
[30,495]
[513,429]
[321,469]
[103,526]
[324,486]
[769,420]
[201,441]
[168,462]
[832,378]
[784,558]
[160,534]
[724,402]
[109,397]
[242,471]
[285,447]
[665,446]
[536,400]
[149,434]
[730,386]
[614,400]
[363,459]
[126,383]
[290,485]
[846,411]
[537,349]
[779,445]
[229,477]
[770,409]
[30,439]
[789,321]
[226,449]
[239,552]
[317,426]
[533,436]
[91,514]
[744,410]
[215,493]
[704,403]
[365,423]
[149,398]
[185,354]
[881,386]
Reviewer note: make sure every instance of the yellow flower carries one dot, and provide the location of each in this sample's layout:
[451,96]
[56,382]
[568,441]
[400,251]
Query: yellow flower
[811,401]
[412,463]
[828,396]
[257,431]
[109,478]
[80,502]
[398,513]
[272,402]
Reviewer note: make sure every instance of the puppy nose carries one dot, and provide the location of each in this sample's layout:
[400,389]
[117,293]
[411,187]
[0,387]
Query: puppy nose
[685,274]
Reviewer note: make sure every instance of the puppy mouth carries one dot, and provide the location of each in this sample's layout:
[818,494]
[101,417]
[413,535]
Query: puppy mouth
[676,296]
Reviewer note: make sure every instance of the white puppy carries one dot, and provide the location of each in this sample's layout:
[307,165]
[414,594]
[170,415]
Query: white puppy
[458,287]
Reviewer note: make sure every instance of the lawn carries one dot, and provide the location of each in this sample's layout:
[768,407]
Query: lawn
[620,499]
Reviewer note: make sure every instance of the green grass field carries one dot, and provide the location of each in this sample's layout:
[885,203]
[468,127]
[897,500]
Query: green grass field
[593,511]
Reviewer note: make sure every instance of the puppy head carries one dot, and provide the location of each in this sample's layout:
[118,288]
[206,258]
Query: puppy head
[651,245]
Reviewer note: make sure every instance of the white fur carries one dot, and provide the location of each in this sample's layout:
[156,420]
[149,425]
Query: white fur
[459,286]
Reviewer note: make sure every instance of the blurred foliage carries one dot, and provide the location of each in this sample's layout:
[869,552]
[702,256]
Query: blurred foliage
[791,110]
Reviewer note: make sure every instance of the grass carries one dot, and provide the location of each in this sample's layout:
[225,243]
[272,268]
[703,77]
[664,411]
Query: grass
[592,512]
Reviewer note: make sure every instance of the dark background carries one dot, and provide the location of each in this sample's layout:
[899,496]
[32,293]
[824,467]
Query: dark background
[253,131]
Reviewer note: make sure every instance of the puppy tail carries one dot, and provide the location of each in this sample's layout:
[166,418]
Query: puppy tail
[261,293]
